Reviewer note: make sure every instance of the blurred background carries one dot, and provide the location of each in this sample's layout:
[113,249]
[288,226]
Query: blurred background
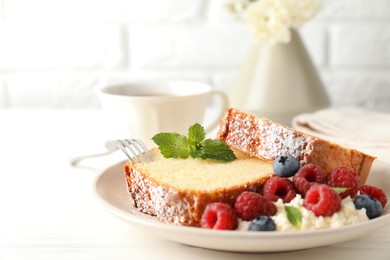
[54,53]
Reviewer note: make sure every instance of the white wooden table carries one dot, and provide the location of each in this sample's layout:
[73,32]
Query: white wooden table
[48,208]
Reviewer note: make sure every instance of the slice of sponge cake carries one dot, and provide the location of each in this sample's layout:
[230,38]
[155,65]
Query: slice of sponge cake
[263,138]
[178,190]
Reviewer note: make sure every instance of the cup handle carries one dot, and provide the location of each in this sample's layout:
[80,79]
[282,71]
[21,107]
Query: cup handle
[223,106]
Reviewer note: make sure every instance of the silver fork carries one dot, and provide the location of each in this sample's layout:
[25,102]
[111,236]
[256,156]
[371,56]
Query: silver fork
[134,149]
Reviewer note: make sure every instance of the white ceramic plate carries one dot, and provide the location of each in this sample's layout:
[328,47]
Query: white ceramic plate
[111,191]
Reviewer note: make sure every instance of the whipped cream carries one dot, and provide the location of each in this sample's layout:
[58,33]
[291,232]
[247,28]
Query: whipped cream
[347,215]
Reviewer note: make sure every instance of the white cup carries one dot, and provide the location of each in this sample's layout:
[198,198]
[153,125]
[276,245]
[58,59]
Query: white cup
[141,109]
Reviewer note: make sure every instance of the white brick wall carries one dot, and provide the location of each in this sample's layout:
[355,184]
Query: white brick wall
[366,45]
[201,47]
[363,10]
[3,95]
[54,53]
[26,47]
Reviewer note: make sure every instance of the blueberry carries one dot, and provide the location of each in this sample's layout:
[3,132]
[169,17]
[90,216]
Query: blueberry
[285,165]
[373,206]
[262,223]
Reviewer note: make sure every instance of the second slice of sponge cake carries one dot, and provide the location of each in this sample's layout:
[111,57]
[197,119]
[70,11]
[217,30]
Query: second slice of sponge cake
[263,138]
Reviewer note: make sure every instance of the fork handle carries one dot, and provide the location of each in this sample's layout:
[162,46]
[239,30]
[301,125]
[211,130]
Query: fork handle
[74,161]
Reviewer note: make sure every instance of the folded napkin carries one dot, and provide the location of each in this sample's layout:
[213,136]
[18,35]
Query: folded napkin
[368,131]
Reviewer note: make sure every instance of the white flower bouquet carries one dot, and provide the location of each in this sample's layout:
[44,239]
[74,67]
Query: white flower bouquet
[271,21]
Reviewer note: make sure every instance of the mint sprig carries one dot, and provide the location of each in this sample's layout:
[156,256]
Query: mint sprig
[174,145]
[294,215]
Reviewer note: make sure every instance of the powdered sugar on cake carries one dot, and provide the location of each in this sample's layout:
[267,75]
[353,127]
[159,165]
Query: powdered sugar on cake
[164,203]
[263,138]
[278,141]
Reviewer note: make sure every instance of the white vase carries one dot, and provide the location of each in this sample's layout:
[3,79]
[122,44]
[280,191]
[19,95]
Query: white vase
[279,81]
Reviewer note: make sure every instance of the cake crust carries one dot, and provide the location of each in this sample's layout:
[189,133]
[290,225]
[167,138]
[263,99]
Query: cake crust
[263,138]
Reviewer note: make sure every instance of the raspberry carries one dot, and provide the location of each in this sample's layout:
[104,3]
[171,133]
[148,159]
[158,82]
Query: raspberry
[322,200]
[306,176]
[342,177]
[375,192]
[277,187]
[249,205]
[219,215]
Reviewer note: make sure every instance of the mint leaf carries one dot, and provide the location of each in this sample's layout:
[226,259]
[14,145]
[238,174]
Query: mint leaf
[172,145]
[216,150]
[196,134]
[339,189]
[294,215]
[196,150]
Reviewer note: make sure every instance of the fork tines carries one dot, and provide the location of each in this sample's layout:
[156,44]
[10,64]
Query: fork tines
[134,149]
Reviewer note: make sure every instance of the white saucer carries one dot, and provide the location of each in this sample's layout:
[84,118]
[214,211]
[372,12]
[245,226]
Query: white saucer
[111,191]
